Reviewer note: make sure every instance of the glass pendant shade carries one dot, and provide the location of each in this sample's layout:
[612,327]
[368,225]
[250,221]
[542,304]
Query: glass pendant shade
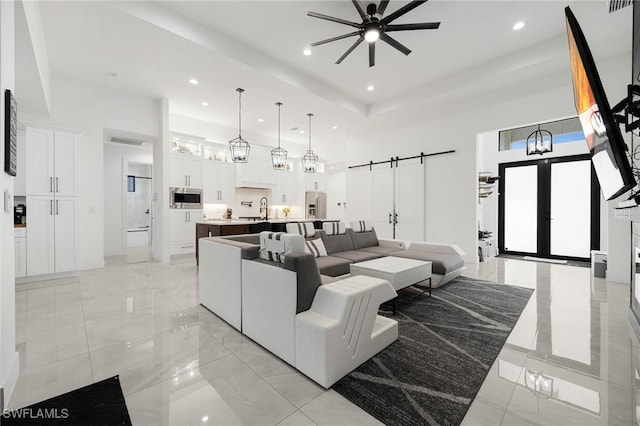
[309,160]
[239,147]
[279,155]
[539,142]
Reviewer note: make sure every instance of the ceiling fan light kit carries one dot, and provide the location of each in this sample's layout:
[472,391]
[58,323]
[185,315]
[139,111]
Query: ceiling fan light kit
[375,27]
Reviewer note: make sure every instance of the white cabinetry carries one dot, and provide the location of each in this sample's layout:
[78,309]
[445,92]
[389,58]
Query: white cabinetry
[20,182]
[315,181]
[182,230]
[20,246]
[51,238]
[218,182]
[51,162]
[185,171]
[51,189]
[286,192]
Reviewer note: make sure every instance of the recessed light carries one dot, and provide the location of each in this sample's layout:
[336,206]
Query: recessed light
[306,51]
[261,120]
[114,75]
[370,88]
[518,26]
[301,131]
[205,418]
[335,127]
[193,81]
[205,104]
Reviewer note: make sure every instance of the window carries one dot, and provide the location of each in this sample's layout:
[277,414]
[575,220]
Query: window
[563,131]
[131,183]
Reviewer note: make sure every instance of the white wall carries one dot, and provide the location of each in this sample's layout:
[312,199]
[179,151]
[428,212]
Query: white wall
[92,109]
[452,181]
[9,361]
[116,158]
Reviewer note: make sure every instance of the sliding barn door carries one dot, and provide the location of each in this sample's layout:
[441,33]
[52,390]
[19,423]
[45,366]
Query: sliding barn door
[409,196]
[382,179]
[359,194]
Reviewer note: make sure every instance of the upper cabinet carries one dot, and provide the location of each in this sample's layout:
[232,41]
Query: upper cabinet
[185,163]
[20,182]
[218,182]
[315,181]
[51,160]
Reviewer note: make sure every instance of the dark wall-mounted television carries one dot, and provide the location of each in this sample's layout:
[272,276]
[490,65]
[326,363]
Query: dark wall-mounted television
[604,139]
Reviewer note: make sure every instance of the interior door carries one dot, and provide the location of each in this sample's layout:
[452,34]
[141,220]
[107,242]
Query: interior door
[383,203]
[409,193]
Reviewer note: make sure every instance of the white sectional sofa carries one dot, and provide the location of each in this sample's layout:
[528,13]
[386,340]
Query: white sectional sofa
[301,310]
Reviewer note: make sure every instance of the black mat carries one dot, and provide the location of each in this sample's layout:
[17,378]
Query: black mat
[101,403]
[446,345]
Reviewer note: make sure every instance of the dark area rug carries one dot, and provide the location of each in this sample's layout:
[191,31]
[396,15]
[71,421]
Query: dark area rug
[446,346]
[101,403]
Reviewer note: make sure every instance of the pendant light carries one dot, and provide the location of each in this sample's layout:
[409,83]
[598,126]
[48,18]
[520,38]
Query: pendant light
[539,142]
[309,160]
[279,155]
[238,146]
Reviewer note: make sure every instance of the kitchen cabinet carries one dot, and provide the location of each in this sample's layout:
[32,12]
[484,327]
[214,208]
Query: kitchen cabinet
[51,162]
[51,237]
[218,182]
[286,192]
[185,171]
[20,248]
[315,181]
[20,181]
[182,230]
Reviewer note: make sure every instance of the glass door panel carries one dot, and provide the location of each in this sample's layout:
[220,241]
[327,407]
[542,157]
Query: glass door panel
[571,209]
[521,209]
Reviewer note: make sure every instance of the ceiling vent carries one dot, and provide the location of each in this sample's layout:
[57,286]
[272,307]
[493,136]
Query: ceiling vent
[125,141]
[615,5]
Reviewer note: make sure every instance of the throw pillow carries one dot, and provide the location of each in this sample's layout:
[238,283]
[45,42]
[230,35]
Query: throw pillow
[315,247]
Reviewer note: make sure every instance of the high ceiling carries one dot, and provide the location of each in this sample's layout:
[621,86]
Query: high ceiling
[156,47]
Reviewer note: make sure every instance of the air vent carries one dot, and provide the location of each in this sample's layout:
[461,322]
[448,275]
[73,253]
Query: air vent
[615,5]
[294,129]
[126,141]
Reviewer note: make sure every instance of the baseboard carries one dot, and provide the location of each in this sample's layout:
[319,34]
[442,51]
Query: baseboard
[109,253]
[45,277]
[94,264]
[10,381]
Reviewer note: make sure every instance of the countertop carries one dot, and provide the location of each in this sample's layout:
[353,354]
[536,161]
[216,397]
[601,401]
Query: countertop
[249,222]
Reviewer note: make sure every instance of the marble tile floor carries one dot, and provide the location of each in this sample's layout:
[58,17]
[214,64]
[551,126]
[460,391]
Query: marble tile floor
[572,358]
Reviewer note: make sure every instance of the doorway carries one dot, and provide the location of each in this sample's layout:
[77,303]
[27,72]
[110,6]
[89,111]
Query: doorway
[549,208]
[139,206]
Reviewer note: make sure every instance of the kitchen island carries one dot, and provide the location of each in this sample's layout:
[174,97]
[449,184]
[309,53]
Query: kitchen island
[221,227]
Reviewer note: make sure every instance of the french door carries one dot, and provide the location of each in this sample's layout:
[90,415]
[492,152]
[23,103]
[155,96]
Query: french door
[549,208]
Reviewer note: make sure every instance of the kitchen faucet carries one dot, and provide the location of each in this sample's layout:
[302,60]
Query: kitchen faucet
[264,205]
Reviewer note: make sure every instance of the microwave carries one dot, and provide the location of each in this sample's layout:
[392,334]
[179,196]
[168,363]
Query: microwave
[185,198]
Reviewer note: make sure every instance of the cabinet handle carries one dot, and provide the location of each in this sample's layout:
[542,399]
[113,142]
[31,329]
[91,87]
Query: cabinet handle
[189,176]
[57,210]
[57,182]
[189,246]
[186,180]
[50,207]
[389,218]
[316,183]
[50,184]
[209,234]
[189,213]
[220,196]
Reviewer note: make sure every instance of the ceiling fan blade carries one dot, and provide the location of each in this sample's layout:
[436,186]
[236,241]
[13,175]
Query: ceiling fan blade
[329,40]
[353,46]
[383,6]
[332,19]
[394,43]
[404,9]
[372,54]
[360,10]
[405,27]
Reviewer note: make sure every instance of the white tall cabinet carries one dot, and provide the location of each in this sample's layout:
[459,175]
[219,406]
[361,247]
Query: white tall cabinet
[51,189]
[182,224]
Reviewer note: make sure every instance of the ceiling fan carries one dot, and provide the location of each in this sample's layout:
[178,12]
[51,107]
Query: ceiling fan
[374,26]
